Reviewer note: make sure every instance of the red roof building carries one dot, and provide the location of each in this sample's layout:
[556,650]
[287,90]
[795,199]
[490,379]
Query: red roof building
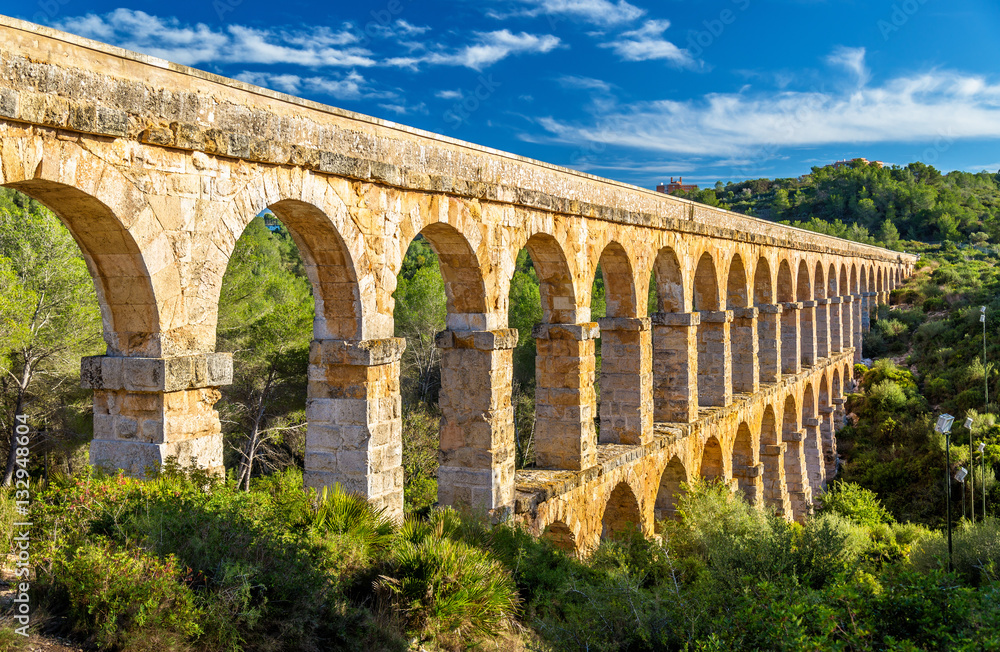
[676,185]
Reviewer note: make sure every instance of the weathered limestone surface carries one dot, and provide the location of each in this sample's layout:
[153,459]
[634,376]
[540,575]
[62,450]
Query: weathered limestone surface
[156,169]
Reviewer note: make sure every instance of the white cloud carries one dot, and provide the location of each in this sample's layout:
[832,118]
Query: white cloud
[449,95]
[852,59]
[598,12]
[351,86]
[585,83]
[403,109]
[168,38]
[489,48]
[647,43]
[932,106]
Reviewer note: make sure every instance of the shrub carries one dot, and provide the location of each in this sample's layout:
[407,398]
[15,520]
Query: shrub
[128,598]
[721,530]
[448,589]
[854,502]
[886,396]
[873,343]
[353,516]
[891,327]
[976,551]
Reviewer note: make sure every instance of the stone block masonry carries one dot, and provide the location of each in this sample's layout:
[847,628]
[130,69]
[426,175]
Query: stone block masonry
[156,169]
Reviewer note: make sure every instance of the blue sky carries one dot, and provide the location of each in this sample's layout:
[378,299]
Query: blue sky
[631,90]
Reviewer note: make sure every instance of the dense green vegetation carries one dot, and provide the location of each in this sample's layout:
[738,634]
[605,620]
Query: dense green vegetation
[254,562]
[868,203]
[186,562]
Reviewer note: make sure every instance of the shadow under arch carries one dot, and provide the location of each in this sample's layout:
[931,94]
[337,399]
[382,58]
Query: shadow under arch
[560,536]
[670,489]
[812,446]
[620,512]
[772,459]
[712,465]
[795,476]
[671,293]
[744,466]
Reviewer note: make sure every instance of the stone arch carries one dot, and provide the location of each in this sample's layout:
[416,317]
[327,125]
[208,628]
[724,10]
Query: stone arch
[803,283]
[670,489]
[807,315]
[763,286]
[795,478]
[328,266]
[619,281]
[714,363]
[832,286]
[712,464]
[560,536]
[464,284]
[768,324]
[706,284]
[786,287]
[620,512]
[671,292]
[742,331]
[812,446]
[736,286]
[745,468]
[775,492]
[124,286]
[854,279]
[820,282]
[878,280]
[837,391]
[555,280]
[845,288]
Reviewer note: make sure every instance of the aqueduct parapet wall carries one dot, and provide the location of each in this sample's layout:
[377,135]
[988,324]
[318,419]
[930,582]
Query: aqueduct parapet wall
[156,169]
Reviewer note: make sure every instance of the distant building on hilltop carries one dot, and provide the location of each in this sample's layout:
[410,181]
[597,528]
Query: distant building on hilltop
[845,163]
[676,185]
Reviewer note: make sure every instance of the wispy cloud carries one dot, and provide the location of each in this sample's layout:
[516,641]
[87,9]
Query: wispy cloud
[739,126]
[584,83]
[351,86]
[449,95]
[488,49]
[597,12]
[401,108]
[170,39]
[853,60]
[647,43]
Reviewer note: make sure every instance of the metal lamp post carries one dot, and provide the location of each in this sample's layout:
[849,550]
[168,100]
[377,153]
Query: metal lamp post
[972,467]
[943,426]
[960,476]
[982,465]
[986,375]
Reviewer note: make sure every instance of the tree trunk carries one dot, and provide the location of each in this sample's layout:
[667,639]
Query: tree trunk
[12,441]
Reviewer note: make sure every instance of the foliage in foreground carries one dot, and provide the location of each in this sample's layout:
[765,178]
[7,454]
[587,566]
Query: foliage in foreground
[183,562]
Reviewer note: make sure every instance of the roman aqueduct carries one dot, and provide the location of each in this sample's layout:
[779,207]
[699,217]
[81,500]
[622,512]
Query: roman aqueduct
[156,169]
